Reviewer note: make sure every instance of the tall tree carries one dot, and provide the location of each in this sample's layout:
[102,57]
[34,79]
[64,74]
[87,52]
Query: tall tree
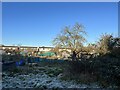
[72,38]
[105,43]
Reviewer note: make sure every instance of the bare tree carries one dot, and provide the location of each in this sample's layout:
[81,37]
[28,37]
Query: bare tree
[71,37]
[105,43]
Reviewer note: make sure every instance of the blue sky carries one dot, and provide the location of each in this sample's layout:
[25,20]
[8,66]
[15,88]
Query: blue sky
[36,24]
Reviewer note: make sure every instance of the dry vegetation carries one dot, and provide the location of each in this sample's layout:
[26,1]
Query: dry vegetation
[103,67]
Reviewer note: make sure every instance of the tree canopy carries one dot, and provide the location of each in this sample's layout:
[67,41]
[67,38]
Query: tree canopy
[72,38]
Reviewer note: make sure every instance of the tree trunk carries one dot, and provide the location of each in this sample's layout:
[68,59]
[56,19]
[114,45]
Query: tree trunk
[74,56]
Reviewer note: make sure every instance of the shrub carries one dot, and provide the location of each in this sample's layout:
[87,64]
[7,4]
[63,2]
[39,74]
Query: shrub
[103,69]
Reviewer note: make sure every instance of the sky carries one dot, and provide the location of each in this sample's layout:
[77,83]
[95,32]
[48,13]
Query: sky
[37,24]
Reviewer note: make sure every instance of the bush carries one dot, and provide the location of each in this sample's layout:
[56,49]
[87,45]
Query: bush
[103,69]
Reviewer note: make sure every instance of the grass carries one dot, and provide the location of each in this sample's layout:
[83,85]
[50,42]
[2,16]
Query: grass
[51,69]
[54,71]
[105,70]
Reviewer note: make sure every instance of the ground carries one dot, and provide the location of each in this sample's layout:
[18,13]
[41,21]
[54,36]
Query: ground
[39,76]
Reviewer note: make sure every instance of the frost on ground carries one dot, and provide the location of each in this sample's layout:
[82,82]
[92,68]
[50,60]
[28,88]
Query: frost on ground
[42,76]
[39,81]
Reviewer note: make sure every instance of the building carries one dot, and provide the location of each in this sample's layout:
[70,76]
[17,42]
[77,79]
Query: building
[33,50]
[29,48]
